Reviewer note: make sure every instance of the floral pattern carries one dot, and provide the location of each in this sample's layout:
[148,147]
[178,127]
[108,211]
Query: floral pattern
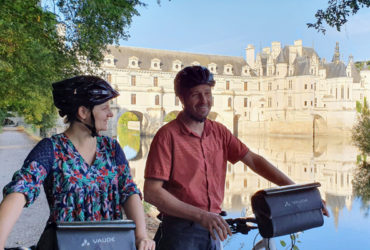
[75,190]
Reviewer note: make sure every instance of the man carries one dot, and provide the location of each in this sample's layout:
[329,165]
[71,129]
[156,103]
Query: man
[186,168]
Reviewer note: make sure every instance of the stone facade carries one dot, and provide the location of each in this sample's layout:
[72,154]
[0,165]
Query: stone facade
[281,90]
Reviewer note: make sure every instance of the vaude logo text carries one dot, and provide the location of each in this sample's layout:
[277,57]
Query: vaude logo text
[296,202]
[105,240]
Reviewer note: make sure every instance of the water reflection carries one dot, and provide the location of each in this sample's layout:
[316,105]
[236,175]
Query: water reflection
[330,161]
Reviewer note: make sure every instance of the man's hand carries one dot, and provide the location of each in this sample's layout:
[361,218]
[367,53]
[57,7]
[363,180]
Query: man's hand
[145,244]
[215,223]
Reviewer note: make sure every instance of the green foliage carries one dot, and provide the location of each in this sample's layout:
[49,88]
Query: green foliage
[90,25]
[33,54]
[128,137]
[171,116]
[361,131]
[360,65]
[336,13]
[361,138]
[282,243]
[361,185]
[3,115]
[126,117]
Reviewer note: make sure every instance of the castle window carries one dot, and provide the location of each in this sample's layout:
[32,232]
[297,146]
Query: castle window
[269,102]
[109,78]
[155,64]
[228,69]
[245,102]
[227,85]
[290,101]
[229,102]
[133,80]
[155,81]
[176,65]
[133,99]
[156,101]
[270,86]
[245,86]
[212,68]
[133,62]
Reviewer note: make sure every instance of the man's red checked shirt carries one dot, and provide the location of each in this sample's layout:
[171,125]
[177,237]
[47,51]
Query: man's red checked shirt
[193,167]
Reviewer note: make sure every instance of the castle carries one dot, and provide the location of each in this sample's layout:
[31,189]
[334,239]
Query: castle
[286,90]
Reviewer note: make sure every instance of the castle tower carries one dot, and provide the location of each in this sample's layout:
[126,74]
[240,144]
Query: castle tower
[336,56]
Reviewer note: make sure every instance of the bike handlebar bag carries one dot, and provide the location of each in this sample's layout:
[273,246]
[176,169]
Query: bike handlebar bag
[287,209]
[102,235]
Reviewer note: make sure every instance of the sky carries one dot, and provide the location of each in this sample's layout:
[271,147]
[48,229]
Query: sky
[226,27]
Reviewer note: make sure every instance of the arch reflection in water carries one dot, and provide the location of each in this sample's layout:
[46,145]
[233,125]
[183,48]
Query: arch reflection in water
[128,135]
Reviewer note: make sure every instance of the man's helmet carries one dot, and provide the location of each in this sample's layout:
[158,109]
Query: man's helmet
[190,77]
[86,91]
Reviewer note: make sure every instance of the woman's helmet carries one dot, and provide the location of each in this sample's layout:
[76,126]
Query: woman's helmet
[190,77]
[78,91]
[87,91]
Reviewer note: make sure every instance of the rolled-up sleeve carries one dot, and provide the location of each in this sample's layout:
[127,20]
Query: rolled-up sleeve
[29,179]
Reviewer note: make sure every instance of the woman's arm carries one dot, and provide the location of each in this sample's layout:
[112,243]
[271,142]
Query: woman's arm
[10,210]
[134,211]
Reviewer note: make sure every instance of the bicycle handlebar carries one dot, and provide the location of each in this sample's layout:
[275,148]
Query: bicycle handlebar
[239,225]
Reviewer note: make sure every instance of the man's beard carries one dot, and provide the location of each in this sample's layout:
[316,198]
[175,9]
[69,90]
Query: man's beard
[193,117]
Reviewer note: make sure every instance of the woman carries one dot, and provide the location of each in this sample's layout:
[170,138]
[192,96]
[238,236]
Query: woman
[86,176]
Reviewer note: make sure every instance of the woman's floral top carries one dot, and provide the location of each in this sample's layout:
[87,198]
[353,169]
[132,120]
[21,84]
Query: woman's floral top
[75,190]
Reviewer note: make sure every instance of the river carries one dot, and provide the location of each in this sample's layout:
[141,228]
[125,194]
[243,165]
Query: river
[330,161]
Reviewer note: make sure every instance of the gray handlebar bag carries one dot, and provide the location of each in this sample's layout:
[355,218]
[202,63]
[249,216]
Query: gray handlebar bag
[287,209]
[97,235]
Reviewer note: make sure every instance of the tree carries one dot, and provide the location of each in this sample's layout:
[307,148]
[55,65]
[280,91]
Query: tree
[33,54]
[361,138]
[336,13]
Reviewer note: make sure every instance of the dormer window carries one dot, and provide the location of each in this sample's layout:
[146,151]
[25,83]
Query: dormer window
[109,60]
[176,65]
[246,71]
[133,62]
[155,64]
[228,69]
[212,68]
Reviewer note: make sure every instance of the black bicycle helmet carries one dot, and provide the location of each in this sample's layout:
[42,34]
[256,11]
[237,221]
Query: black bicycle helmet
[192,76]
[87,91]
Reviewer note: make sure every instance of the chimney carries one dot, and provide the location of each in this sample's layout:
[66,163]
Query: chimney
[249,51]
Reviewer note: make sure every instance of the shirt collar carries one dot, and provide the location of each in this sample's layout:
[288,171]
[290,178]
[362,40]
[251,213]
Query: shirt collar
[186,131]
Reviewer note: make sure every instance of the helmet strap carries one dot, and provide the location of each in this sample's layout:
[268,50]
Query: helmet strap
[91,128]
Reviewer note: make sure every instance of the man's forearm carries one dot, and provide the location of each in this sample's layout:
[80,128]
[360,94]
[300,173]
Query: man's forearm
[265,169]
[169,204]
